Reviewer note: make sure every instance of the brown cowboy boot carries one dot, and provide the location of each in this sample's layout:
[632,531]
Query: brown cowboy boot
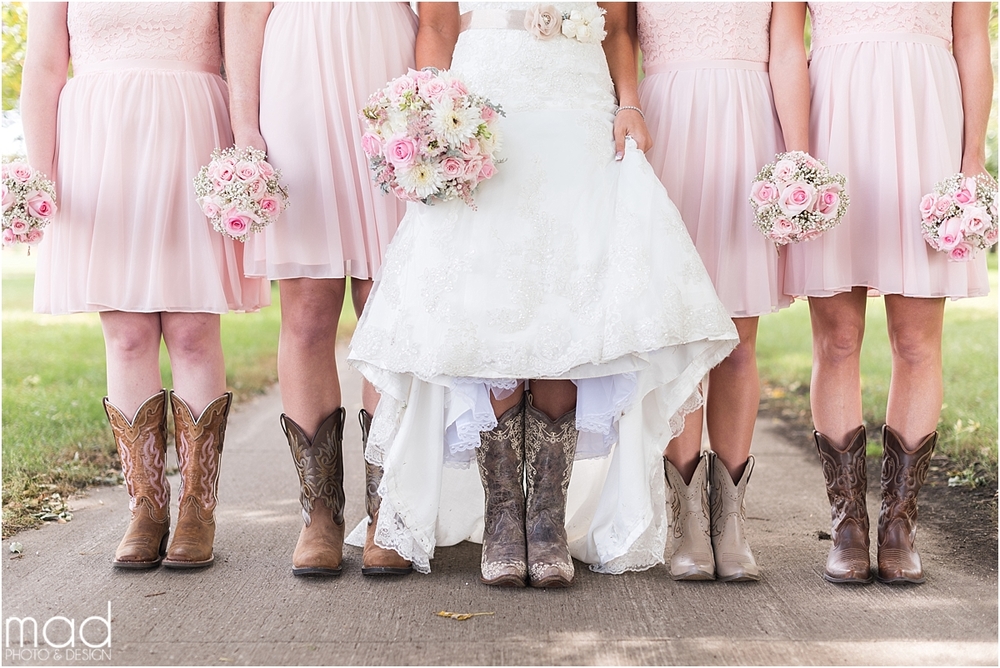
[846,485]
[320,465]
[549,448]
[690,538]
[903,473]
[376,560]
[199,453]
[142,448]
[500,457]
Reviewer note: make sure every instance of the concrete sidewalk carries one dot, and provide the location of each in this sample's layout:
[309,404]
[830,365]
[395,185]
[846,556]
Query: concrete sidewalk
[249,609]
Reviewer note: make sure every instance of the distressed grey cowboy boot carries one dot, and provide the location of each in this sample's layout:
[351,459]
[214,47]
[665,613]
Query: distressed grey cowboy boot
[734,560]
[376,560]
[549,449]
[320,465]
[903,474]
[500,456]
[142,447]
[846,477]
[690,539]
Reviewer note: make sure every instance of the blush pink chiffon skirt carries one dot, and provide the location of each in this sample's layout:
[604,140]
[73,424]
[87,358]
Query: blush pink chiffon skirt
[129,235]
[713,128]
[320,63]
[887,114]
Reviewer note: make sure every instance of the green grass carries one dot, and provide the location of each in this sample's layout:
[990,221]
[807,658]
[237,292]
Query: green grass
[55,435]
[968,425]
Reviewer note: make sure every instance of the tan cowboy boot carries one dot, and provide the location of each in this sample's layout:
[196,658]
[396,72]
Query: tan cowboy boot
[846,477]
[199,453]
[500,457]
[142,448]
[549,449]
[376,560]
[903,474]
[734,560]
[690,539]
[320,465]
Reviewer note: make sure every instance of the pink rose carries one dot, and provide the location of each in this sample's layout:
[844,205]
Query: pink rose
[784,228]
[222,171]
[811,162]
[927,206]
[401,150]
[543,21]
[796,198]
[33,237]
[246,170]
[257,188]
[19,226]
[472,167]
[401,85]
[784,170]
[39,204]
[990,235]
[975,219]
[7,198]
[763,192]
[942,205]
[236,223]
[210,206]
[961,253]
[8,237]
[452,168]
[371,144]
[950,233]
[265,169]
[488,114]
[20,172]
[457,87]
[828,201]
[433,88]
[270,205]
[487,170]
[421,76]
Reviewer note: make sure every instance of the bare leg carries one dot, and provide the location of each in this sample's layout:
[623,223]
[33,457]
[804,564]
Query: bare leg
[838,327]
[733,400]
[684,450]
[916,389]
[307,349]
[132,346]
[195,347]
[555,398]
[360,289]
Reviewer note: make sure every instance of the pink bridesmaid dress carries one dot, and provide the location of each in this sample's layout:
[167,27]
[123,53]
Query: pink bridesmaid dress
[887,112]
[144,110]
[320,63]
[708,106]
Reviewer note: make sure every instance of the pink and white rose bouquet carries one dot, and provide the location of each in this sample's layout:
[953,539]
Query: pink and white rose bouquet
[796,198]
[960,216]
[240,191]
[428,137]
[29,203]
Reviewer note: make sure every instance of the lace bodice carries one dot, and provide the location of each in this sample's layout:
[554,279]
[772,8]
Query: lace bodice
[177,31]
[837,19]
[687,31]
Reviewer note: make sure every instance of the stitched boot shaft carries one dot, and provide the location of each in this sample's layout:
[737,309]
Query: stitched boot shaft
[734,560]
[199,454]
[903,474]
[846,477]
[376,560]
[142,448]
[500,457]
[320,464]
[690,541]
[549,448]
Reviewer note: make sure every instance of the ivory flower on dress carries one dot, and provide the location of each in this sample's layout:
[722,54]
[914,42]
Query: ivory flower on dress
[543,21]
[585,25]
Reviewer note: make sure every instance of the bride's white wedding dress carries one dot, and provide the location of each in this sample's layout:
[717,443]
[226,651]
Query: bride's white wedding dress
[574,266]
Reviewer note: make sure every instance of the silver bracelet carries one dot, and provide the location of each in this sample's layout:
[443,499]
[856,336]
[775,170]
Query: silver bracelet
[632,108]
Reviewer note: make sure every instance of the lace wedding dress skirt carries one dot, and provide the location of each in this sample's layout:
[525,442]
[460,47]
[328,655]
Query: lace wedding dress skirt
[573,266]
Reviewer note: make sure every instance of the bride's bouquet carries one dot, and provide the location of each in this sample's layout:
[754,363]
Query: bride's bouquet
[960,216]
[428,137]
[796,198]
[29,203]
[240,191]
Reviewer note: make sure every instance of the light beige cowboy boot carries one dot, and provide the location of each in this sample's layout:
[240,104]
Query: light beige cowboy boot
[549,449]
[320,465]
[734,560]
[690,539]
[903,474]
[500,457]
[376,560]
[142,448]
[199,453]
[846,475]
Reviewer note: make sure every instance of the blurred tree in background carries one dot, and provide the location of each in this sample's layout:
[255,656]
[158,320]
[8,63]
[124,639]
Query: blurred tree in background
[15,38]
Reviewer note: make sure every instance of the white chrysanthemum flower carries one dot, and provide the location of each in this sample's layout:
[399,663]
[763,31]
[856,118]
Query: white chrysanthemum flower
[396,121]
[455,126]
[422,179]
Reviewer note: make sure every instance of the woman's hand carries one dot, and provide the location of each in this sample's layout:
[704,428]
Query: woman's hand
[629,123]
[249,137]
